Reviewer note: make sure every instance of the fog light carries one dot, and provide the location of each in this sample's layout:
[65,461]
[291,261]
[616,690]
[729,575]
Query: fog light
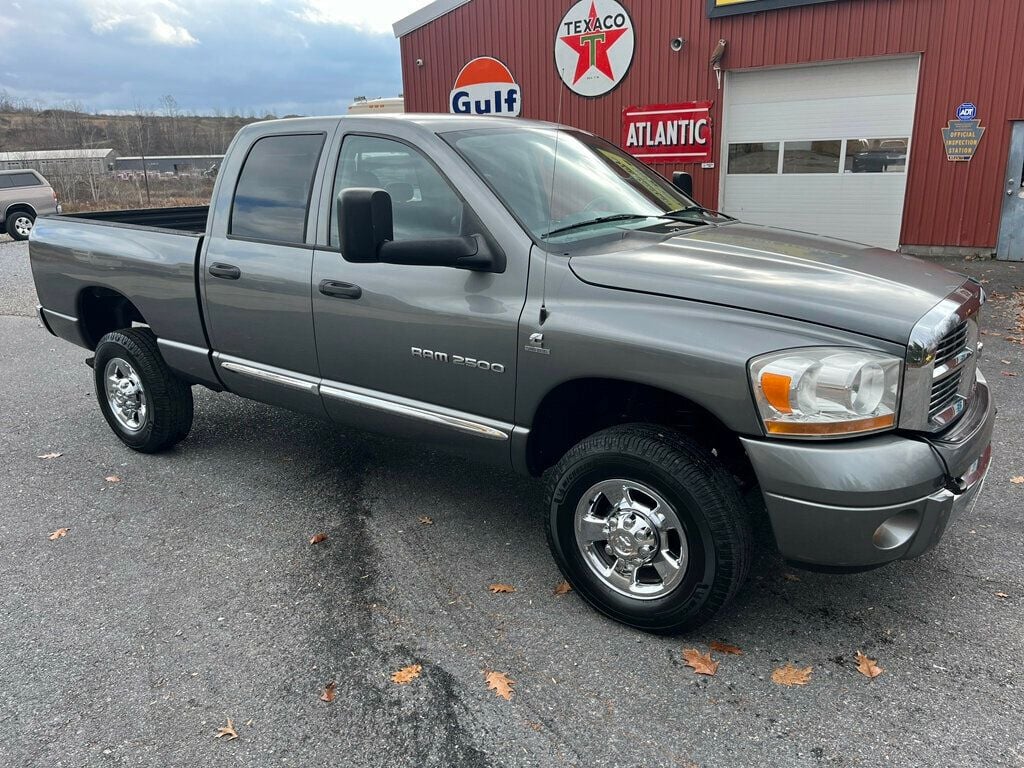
[897,530]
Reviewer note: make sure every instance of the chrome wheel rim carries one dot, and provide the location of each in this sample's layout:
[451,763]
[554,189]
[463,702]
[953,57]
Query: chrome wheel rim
[631,539]
[22,225]
[125,394]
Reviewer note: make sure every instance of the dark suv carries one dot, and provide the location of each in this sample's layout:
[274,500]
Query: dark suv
[24,195]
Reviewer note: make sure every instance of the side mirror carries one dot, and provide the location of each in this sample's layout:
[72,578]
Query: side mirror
[367,233]
[470,252]
[683,181]
[365,223]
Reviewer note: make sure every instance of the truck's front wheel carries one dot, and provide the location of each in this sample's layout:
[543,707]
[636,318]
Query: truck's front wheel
[648,527]
[147,406]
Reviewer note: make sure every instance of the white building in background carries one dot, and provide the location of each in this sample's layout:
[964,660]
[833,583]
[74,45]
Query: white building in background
[77,162]
[381,106]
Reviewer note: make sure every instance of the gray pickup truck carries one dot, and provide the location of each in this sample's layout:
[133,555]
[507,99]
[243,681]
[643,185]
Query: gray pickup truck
[527,295]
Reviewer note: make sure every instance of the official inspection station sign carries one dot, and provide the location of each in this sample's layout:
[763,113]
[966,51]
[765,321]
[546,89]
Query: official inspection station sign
[668,133]
[963,135]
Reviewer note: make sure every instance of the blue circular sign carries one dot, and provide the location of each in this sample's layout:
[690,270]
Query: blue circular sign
[966,111]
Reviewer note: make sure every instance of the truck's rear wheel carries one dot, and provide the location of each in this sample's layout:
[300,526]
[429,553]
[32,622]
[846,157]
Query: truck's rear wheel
[19,224]
[147,406]
[648,527]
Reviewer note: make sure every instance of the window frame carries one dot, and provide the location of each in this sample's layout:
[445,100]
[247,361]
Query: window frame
[309,194]
[333,175]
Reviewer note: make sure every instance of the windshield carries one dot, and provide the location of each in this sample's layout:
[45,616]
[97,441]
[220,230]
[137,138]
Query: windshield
[565,186]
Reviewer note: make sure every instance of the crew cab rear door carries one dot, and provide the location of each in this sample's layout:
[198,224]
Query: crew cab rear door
[423,351]
[257,267]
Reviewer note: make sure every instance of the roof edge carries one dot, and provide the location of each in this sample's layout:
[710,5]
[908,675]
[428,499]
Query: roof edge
[425,15]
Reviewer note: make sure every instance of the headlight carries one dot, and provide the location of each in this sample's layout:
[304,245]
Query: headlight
[826,391]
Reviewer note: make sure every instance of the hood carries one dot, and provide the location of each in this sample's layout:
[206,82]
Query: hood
[819,280]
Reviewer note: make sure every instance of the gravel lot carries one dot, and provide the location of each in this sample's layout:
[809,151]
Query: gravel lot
[188,593]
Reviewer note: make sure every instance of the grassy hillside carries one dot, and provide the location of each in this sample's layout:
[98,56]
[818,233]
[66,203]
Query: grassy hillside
[128,134]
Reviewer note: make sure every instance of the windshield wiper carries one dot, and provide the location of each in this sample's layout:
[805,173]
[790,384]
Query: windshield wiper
[598,220]
[699,210]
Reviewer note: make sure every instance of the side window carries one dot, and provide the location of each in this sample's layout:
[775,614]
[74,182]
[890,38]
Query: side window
[25,180]
[5,181]
[423,202]
[272,196]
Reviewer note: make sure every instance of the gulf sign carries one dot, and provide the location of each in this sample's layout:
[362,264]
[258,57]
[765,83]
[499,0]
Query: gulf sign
[668,133]
[485,87]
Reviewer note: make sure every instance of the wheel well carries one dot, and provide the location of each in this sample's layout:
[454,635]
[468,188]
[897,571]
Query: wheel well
[579,408]
[102,310]
[15,207]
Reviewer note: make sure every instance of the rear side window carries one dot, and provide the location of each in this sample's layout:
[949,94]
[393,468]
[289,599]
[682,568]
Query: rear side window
[5,181]
[25,180]
[272,197]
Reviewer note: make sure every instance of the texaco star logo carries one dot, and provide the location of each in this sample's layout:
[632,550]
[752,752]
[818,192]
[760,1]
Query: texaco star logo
[594,46]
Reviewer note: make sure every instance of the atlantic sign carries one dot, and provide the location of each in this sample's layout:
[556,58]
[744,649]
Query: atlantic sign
[594,46]
[485,87]
[668,133]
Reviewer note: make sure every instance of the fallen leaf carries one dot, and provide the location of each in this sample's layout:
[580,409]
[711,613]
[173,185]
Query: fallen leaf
[60,533]
[563,588]
[406,675]
[702,663]
[500,683]
[1008,373]
[50,455]
[320,538]
[727,648]
[790,675]
[227,730]
[112,479]
[501,589]
[328,694]
[790,577]
[426,520]
[1002,595]
[1017,480]
[868,667]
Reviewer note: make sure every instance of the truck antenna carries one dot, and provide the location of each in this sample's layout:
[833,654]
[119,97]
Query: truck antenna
[551,203]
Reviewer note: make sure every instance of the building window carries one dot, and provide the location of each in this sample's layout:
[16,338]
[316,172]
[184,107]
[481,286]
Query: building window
[811,156]
[876,155]
[823,156]
[757,157]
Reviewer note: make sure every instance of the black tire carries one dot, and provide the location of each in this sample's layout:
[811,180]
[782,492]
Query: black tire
[167,399]
[705,499]
[13,223]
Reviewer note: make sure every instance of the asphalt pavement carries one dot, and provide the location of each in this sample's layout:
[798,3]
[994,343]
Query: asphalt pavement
[188,593]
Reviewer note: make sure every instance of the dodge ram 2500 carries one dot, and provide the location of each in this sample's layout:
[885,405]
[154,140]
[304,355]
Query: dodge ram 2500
[530,296]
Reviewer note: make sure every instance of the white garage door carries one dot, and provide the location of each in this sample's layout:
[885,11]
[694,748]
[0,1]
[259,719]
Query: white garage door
[822,148]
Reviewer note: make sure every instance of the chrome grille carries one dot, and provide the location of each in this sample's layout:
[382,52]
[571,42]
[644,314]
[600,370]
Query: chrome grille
[939,377]
[952,344]
[945,392]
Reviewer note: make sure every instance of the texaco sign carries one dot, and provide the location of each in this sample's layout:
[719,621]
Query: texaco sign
[594,46]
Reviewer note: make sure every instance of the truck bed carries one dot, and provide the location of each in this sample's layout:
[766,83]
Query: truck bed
[182,219]
[87,265]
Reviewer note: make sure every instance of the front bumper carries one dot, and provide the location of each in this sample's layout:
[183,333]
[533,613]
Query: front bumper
[863,503]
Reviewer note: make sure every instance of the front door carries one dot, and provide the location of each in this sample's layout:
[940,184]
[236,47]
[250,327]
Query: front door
[1011,223]
[428,352]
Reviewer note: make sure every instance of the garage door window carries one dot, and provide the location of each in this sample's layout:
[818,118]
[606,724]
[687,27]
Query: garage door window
[876,155]
[756,157]
[820,156]
[811,156]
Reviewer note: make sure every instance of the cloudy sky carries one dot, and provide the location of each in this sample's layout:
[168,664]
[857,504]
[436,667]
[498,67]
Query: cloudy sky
[280,56]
